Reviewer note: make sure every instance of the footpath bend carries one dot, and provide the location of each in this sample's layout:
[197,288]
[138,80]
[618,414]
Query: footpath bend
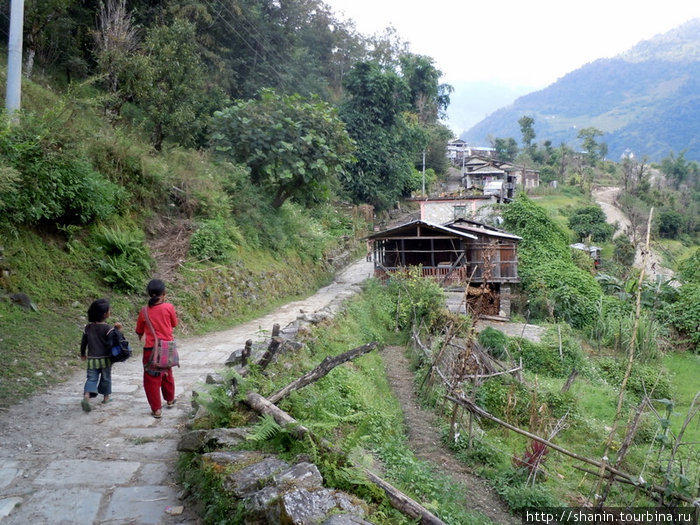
[116,464]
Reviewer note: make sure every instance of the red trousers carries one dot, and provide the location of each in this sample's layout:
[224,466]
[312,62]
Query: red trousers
[154,385]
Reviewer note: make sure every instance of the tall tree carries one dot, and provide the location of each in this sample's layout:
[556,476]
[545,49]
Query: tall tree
[594,150]
[506,149]
[173,90]
[429,98]
[527,129]
[388,139]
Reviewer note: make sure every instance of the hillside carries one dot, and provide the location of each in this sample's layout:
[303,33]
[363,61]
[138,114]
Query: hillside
[646,100]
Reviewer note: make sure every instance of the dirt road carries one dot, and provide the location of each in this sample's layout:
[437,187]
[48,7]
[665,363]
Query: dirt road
[606,197]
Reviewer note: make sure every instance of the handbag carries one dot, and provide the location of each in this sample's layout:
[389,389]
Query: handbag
[164,354]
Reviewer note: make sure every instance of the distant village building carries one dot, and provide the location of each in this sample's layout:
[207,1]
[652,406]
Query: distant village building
[496,177]
[459,150]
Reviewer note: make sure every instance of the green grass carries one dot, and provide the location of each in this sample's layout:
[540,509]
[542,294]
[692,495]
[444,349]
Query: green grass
[684,369]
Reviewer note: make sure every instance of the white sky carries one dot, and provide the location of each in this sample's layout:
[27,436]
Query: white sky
[517,42]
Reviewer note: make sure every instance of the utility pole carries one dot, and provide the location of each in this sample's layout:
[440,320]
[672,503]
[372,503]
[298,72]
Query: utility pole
[13,93]
[424,195]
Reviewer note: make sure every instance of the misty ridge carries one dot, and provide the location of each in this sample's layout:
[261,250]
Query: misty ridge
[646,101]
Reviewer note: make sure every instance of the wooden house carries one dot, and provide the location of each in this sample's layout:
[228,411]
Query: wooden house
[458,253]
[481,172]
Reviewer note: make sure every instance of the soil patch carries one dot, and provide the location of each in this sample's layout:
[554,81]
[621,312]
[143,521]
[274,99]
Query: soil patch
[424,440]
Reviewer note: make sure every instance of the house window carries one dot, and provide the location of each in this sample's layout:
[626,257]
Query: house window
[460,212]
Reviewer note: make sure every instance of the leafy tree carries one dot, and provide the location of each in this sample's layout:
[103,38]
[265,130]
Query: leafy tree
[670,224]
[293,147]
[171,86]
[589,221]
[680,170]
[428,97]
[116,46]
[623,251]
[594,150]
[388,138]
[527,130]
[506,149]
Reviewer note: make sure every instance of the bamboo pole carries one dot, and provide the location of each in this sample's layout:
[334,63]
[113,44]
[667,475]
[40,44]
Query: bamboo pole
[630,360]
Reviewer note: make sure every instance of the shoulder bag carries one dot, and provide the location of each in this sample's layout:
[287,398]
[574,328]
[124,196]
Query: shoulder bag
[164,354]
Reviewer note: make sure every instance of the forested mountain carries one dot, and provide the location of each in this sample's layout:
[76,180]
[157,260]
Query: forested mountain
[646,100]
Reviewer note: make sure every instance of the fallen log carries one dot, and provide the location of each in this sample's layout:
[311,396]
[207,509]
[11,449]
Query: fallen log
[328,364]
[262,405]
[398,499]
[403,503]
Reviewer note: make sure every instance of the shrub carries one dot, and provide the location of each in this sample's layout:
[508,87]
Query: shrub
[55,183]
[623,251]
[213,240]
[642,378]
[494,341]
[505,399]
[481,451]
[125,259]
[418,299]
[521,497]
[536,357]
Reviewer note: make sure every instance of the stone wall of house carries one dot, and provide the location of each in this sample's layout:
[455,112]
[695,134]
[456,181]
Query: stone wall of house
[440,212]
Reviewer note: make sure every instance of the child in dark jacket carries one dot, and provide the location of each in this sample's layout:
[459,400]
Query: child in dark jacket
[96,348]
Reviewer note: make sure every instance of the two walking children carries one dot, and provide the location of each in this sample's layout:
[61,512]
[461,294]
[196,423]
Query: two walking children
[155,322]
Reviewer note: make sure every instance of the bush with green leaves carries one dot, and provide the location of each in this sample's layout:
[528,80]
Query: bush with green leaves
[481,452]
[418,300]
[643,378]
[124,259]
[589,222]
[547,271]
[214,240]
[623,250]
[684,312]
[46,179]
[494,341]
[506,399]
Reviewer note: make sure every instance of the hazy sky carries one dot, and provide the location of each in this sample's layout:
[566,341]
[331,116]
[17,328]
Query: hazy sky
[517,45]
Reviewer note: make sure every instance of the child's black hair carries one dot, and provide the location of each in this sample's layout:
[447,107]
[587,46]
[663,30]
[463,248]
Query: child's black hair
[98,311]
[155,289]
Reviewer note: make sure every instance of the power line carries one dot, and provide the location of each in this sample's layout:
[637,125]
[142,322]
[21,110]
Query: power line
[266,50]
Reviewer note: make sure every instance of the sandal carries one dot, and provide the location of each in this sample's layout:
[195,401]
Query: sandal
[105,401]
[156,414]
[170,404]
[86,405]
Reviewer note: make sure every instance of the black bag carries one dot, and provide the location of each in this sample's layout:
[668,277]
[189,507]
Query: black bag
[121,351]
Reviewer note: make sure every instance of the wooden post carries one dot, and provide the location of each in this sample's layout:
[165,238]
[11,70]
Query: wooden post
[245,354]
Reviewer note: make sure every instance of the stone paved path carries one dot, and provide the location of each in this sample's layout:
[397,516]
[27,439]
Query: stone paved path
[116,464]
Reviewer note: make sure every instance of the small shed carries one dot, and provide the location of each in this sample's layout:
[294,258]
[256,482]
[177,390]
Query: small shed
[592,251]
